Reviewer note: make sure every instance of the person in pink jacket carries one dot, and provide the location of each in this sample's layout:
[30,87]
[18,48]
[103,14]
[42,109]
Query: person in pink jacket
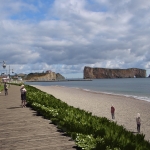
[112,112]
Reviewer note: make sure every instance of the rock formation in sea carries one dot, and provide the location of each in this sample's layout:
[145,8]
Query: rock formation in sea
[101,73]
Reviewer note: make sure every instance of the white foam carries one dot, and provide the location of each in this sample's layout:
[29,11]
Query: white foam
[144,98]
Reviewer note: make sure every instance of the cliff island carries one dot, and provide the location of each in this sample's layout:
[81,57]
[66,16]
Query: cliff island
[102,73]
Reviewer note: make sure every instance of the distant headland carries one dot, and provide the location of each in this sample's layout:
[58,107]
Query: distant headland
[47,76]
[102,73]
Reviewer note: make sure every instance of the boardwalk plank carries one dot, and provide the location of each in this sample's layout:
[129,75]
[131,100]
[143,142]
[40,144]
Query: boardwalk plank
[21,128]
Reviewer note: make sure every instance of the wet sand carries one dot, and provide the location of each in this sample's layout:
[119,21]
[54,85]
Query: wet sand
[126,108]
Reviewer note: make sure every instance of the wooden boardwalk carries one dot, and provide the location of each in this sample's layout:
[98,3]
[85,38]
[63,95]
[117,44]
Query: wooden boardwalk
[22,129]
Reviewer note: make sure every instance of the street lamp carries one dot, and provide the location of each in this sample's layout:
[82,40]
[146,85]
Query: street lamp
[9,71]
[4,64]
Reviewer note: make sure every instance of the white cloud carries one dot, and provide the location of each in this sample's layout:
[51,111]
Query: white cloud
[67,35]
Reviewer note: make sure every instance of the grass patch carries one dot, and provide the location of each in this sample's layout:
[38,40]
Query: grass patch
[1,87]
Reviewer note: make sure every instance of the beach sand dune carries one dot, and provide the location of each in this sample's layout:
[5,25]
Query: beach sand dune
[126,108]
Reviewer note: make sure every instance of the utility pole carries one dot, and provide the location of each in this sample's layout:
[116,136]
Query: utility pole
[9,72]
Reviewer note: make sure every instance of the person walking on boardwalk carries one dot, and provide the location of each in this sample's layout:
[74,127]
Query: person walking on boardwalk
[6,88]
[23,96]
[138,122]
[112,112]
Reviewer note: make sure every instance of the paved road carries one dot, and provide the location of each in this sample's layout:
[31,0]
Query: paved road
[22,129]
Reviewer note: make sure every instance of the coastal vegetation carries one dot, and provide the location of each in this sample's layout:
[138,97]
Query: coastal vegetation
[1,87]
[88,131]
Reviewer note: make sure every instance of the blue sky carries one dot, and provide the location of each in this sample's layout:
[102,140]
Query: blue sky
[33,10]
[66,35]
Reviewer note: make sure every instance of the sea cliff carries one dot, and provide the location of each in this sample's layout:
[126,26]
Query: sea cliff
[101,73]
[44,76]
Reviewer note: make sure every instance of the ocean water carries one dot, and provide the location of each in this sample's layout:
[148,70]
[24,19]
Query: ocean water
[138,88]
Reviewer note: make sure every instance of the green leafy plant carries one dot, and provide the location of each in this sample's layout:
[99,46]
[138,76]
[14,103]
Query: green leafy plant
[1,87]
[88,131]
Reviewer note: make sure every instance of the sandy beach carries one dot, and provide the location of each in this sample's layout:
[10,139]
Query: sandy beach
[126,108]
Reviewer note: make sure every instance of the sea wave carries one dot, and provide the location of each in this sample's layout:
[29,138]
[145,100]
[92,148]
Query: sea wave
[144,98]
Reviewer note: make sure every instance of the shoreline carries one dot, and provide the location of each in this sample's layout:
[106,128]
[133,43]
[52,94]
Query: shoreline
[99,104]
[65,80]
[125,87]
[114,94]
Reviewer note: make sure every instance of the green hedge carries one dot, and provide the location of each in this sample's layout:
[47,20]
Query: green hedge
[1,87]
[88,131]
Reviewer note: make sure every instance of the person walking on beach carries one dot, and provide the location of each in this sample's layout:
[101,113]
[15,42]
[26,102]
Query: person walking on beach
[138,122]
[112,112]
[23,96]
[6,88]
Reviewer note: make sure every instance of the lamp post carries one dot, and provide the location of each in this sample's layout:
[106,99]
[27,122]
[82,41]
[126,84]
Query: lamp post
[9,71]
[4,64]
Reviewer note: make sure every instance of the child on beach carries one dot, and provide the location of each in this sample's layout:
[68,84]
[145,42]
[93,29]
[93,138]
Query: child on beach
[23,96]
[112,112]
[138,122]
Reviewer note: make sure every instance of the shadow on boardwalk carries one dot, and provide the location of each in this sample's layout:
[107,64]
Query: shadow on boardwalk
[22,129]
